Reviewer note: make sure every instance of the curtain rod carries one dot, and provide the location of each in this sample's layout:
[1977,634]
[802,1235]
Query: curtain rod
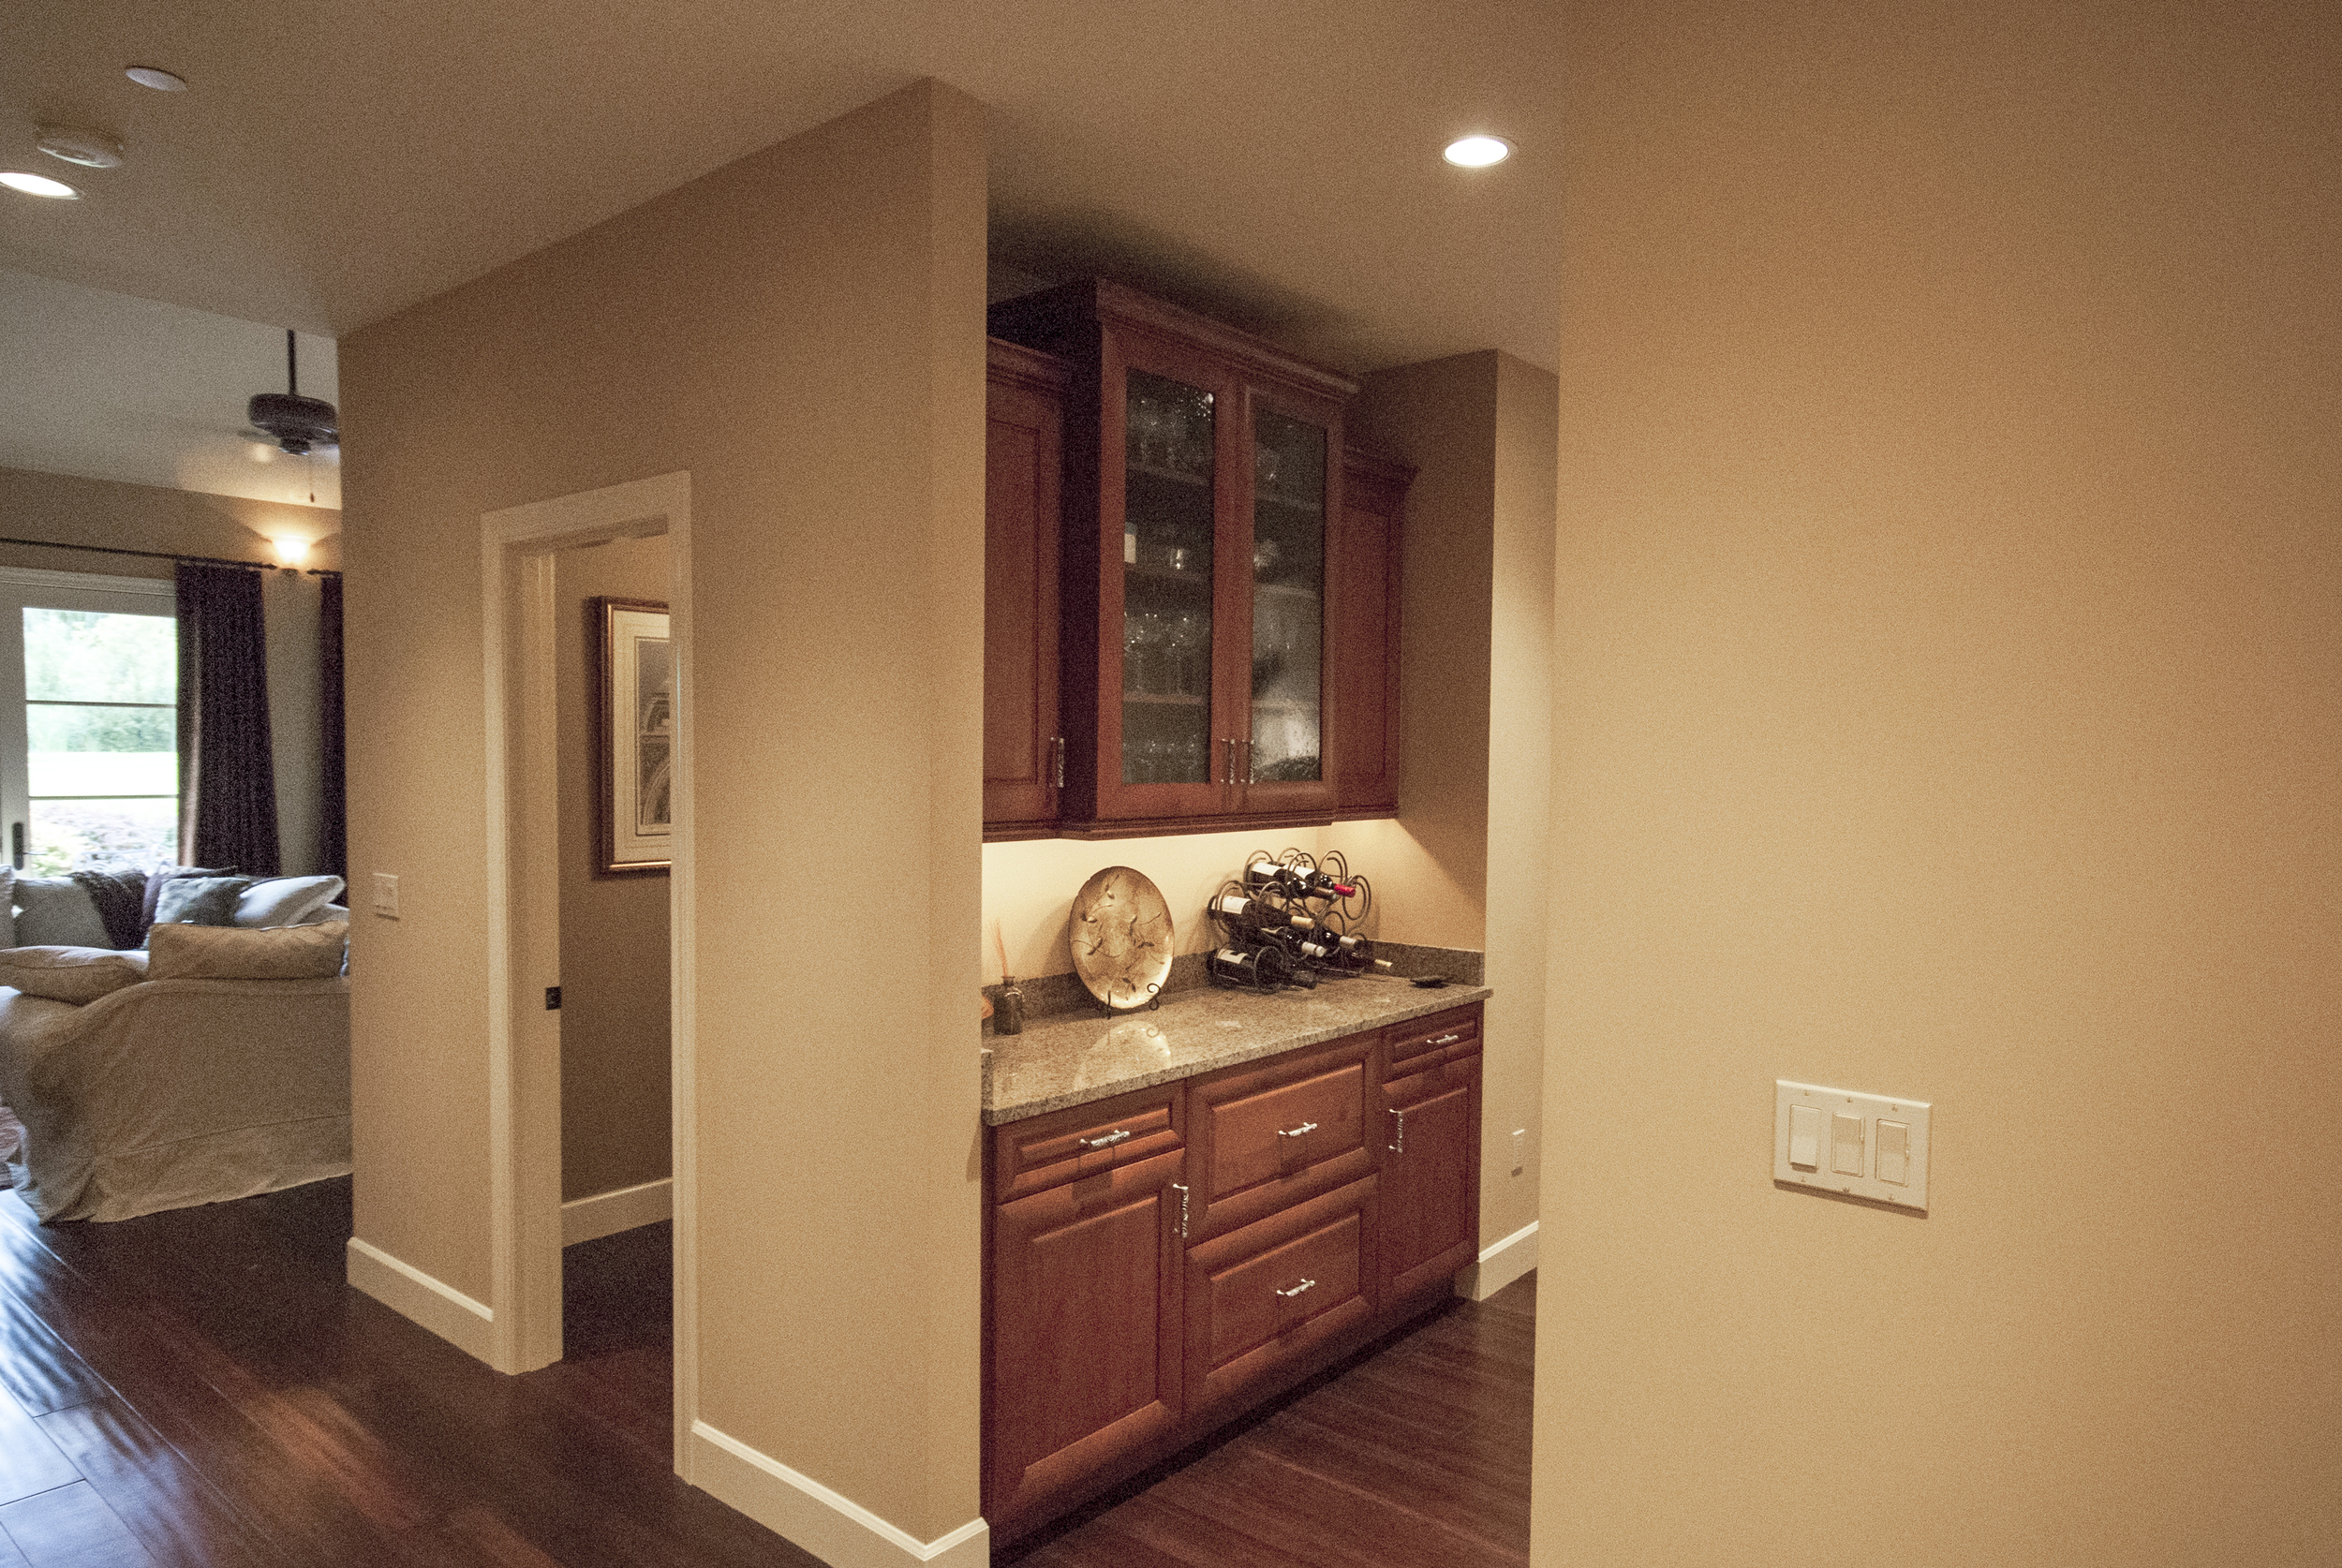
[172,555]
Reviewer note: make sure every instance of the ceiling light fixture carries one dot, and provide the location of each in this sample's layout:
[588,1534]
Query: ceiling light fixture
[156,78]
[1477,152]
[38,184]
[90,149]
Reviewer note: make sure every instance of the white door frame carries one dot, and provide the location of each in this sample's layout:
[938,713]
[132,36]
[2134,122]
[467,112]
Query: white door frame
[517,546]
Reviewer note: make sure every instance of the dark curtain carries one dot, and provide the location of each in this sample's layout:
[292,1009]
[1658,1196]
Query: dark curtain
[333,825]
[227,767]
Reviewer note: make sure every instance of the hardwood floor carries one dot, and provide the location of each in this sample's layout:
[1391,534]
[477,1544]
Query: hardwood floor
[199,1388]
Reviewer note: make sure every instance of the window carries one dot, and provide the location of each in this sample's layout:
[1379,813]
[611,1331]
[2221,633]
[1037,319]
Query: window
[89,690]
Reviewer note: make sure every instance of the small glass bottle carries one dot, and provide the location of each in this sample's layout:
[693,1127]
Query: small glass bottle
[1008,1017]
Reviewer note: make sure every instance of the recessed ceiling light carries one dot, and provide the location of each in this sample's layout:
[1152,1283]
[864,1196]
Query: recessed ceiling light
[38,184]
[90,149]
[156,78]
[1477,152]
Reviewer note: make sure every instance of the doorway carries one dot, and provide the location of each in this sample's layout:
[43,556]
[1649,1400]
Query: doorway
[530,837]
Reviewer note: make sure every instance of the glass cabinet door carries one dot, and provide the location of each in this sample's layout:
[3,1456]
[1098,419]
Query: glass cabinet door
[1289,458]
[1167,582]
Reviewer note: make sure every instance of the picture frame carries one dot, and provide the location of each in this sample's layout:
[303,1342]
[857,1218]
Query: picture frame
[634,718]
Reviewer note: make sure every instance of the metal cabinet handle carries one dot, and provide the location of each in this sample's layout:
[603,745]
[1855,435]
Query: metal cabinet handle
[1107,1140]
[1227,774]
[1250,777]
[1447,1040]
[1297,1290]
[1057,746]
[1399,1145]
[1183,1193]
[1305,1128]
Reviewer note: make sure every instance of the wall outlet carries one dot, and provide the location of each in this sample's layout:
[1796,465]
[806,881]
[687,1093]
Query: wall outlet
[1520,1149]
[385,895]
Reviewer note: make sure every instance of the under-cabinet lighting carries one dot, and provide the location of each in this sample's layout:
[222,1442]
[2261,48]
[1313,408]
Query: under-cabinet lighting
[38,184]
[1477,152]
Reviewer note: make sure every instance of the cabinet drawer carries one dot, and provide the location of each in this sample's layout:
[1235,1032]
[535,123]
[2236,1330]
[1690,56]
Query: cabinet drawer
[1451,1034]
[1045,1151]
[1264,1297]
[1268,1136]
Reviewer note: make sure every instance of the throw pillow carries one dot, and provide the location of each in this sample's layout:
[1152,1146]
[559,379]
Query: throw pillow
[286,900]
[242,952]
[57,911]
[199,901]
[70,974]
[154,881]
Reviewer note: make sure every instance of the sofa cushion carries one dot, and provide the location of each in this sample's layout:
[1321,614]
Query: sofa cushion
[57,911]
[69,974]
[245,952]
[154,881]
[200,901]
[286,900]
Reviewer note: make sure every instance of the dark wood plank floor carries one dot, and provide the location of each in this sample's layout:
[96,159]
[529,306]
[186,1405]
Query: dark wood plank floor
[200,1388]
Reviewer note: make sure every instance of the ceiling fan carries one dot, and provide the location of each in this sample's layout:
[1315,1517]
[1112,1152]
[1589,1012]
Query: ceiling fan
[288,420]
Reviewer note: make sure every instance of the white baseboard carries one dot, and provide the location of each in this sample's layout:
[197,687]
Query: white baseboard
[1500,1264]
[621,1209]
[408,1291]
[838,1531]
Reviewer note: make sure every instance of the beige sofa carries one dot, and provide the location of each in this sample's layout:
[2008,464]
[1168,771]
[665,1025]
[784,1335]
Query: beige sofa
[173,1092]
[203,1084]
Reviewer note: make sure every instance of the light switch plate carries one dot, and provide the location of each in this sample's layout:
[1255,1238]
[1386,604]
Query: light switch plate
[386,895]
[1871,1182]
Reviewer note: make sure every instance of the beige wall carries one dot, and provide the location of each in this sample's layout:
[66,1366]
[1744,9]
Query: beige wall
[803,332]
[615,1127]
[1947,706]
[108,512]
[1441,417]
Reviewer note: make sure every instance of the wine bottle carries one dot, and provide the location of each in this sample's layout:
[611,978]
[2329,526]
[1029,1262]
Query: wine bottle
[1254,914]
[1313,884]
[1249,969]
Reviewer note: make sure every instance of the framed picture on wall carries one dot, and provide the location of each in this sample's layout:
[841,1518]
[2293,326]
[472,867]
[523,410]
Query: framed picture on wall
[635,715]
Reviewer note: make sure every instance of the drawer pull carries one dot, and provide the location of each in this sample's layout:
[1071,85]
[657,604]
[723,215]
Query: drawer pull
[1306,1284]
[1447,1040]
[1301,1132]
[1106,1140]
[1399,1143]
[1183,1193]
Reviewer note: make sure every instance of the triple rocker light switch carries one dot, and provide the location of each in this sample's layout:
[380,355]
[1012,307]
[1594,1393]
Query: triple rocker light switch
[1863,1145]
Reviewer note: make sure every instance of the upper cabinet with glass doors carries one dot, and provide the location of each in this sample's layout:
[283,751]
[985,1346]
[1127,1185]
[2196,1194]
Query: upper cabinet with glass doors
[1202,504]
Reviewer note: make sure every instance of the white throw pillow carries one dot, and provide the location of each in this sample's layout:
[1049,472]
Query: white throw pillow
[239,953]
[70,974]
[57,911]
[286,900]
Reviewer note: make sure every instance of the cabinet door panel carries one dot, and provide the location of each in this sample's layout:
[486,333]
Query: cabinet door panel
[1023,461]
[1362,635]
[1430,1178]
[1270,1135]
[1085,1336]
[1265,1300]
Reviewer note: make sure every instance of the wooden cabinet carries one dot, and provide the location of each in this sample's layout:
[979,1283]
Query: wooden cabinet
[1082,1302]
[1203,572]
[1363,636]
[1159,1263]
[1024,745]
[1431,1168]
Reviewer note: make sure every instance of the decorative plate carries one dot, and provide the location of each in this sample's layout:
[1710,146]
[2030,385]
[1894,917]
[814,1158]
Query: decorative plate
[1122,938]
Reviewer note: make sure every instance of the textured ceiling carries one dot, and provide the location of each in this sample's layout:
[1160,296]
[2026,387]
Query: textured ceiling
[1274,163]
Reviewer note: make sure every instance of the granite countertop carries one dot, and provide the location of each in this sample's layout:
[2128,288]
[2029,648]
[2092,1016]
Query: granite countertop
[1073,1058]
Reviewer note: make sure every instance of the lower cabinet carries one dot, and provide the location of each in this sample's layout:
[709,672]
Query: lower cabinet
[1159,1262]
